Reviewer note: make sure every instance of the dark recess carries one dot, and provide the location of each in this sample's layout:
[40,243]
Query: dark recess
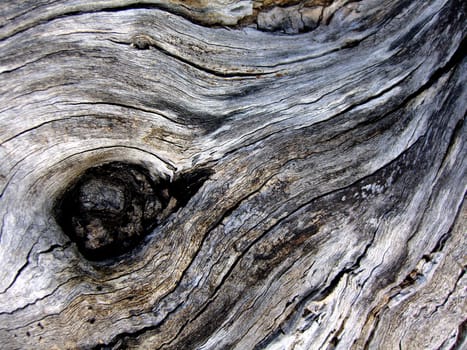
[111,208]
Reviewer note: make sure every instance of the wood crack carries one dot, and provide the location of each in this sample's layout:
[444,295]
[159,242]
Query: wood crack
[144,42]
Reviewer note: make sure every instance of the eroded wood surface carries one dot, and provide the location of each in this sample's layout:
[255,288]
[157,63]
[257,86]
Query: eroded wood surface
[335,142]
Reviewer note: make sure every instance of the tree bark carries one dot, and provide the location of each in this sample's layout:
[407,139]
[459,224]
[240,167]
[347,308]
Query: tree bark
[232,174]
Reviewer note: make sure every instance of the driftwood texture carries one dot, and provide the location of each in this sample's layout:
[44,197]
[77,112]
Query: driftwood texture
[330,137]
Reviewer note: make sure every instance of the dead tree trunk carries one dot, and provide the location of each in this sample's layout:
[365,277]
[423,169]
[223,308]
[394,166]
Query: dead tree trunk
[232,174]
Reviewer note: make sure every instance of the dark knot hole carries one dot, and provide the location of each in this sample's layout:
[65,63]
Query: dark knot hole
[111,208]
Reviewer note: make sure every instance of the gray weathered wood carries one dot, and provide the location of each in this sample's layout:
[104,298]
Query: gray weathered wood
[334,133]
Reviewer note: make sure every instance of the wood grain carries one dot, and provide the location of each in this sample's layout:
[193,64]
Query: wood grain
[333,215]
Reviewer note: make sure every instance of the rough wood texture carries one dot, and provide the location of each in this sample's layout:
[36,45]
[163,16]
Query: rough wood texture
[332,216]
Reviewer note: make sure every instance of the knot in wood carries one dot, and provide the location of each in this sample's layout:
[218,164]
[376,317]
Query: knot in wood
[142,41]
[110,209]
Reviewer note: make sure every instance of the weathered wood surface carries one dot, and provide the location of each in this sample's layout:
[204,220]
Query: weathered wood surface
[332,216]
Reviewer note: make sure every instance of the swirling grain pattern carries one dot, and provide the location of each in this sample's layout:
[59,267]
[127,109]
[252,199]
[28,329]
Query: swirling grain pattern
[333,138]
